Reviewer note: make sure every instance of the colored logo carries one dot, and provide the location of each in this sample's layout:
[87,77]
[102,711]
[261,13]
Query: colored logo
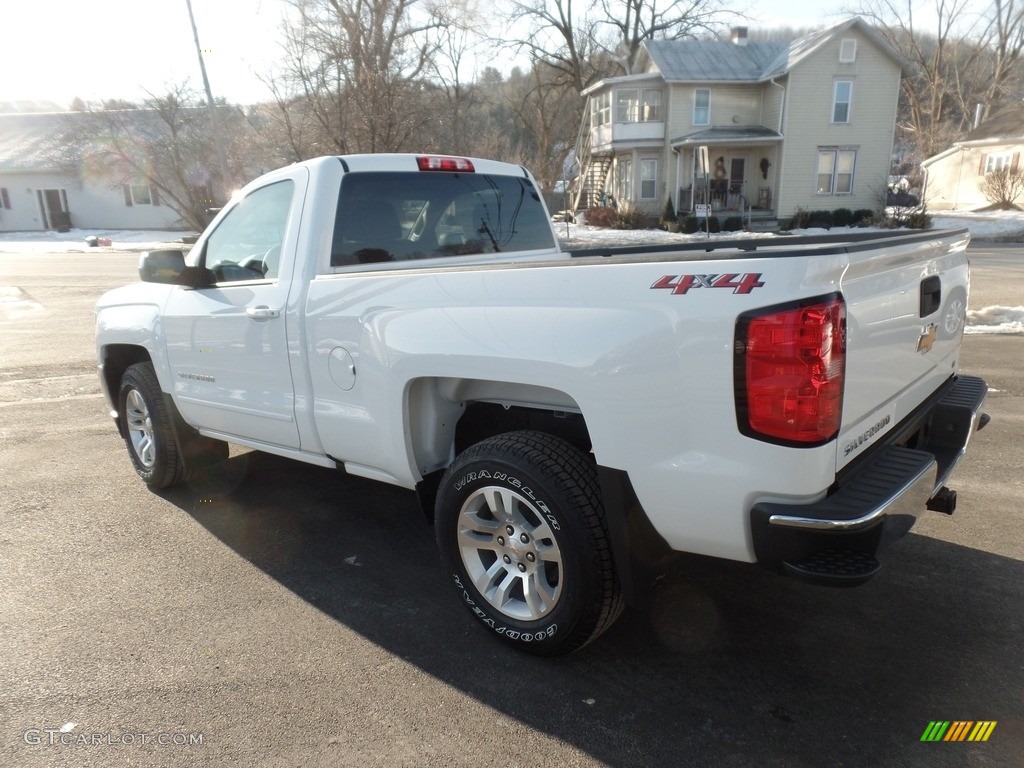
[681,284]
[958,730]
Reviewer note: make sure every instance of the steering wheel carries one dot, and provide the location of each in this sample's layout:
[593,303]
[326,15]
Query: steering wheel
[271,261]
[253,262]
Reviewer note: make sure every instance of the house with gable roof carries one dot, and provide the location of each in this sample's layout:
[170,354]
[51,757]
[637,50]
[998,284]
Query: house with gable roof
[43,184]
[805,125]
[953,177]
[100,170]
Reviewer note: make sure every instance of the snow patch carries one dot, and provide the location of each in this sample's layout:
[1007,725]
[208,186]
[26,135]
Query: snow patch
[75,241]
[995,320]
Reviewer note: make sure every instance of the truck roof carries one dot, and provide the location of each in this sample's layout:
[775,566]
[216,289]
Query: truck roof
[410,162]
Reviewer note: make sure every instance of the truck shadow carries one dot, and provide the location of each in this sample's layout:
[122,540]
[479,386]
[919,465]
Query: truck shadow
[731,665]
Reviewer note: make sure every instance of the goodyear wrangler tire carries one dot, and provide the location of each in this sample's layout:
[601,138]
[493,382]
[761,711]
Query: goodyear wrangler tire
[520,527]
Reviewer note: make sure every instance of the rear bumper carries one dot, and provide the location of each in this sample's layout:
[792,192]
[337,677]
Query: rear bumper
[836,540]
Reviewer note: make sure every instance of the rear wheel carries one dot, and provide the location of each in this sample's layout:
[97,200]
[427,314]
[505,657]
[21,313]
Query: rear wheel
[520,528]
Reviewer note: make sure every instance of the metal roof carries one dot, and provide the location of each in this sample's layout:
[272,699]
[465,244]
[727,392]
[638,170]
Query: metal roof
[696,61]
[35,142]
[730,134]
[1007,124]
[711,60]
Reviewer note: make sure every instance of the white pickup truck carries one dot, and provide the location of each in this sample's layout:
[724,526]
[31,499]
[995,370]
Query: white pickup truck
[567,418]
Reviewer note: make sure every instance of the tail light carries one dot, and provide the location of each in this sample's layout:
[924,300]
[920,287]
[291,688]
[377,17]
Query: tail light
[790,369]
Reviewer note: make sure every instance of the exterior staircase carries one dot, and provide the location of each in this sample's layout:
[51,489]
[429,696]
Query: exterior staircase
[587,187]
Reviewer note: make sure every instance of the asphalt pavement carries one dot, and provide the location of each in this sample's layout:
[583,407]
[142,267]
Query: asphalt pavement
[279,614]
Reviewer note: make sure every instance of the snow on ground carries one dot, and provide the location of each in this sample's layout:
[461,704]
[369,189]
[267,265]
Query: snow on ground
[995,320]
[1005,226]
[75,240]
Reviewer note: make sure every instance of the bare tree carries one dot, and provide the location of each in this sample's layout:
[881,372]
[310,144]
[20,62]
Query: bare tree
[561,36]
[545,107]
[960,62]
[354,72]
[451,67]
[635,21]
[167,145]
[1000,57]
[930,116]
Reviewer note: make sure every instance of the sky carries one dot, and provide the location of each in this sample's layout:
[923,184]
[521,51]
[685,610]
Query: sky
[100,49]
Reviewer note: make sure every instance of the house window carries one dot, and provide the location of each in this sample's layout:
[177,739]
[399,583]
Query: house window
[702,106]
[848,51]
[842,95]
[650,105]
[139,194]
[600,113]
[627,105]
[625,179]
[5,198]
[648,179]
[637,105]
[835,171]
[998,162]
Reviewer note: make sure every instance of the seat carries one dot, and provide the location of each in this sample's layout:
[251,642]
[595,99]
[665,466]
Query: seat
[365,232]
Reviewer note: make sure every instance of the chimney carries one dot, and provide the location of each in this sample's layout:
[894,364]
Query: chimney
[978,111]
[738,35]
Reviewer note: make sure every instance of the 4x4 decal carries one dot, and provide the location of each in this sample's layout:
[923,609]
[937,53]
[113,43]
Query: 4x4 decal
[680,284]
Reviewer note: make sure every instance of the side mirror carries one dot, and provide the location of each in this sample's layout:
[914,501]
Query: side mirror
[161,266]
[169,267]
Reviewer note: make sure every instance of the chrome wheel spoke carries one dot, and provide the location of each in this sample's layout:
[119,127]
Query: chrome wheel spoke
[499,596]
[548,553]
[146,450]
[486,580]
[480,540]
[140,428]
[500,502]
[540,595]
[510,552]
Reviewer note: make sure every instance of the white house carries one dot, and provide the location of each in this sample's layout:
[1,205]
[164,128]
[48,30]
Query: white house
[43,184]
[953,177]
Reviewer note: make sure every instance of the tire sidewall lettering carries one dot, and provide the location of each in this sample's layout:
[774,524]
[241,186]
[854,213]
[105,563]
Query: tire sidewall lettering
[517,485]
[508,632]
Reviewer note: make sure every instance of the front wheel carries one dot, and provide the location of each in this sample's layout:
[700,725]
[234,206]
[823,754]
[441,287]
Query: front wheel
[520,527]
[161,455]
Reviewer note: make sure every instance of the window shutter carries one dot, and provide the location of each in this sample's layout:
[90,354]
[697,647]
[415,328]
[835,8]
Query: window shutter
[153,196]
[1015,162]
[127,195]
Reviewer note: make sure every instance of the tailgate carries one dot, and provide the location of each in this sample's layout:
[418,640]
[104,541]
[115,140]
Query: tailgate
[906,305]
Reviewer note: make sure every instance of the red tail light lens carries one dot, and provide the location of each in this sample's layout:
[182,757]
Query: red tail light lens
[439,163]
[790,370]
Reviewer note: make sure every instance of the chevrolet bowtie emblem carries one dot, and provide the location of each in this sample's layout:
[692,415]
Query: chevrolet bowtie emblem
[927,340]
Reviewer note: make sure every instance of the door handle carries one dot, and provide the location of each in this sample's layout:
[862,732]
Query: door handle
[262,312]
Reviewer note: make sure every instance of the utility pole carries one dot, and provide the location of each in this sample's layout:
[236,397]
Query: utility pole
[226,182]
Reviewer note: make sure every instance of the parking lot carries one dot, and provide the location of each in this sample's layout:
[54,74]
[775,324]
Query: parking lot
[279,614]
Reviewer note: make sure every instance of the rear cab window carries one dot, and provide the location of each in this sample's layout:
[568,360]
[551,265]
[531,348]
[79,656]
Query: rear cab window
[401,216]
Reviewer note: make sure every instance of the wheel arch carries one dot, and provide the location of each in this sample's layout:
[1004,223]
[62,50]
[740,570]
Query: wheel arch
[445,415]
[115,359]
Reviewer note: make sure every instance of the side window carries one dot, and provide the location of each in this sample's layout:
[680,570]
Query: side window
[247,243]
